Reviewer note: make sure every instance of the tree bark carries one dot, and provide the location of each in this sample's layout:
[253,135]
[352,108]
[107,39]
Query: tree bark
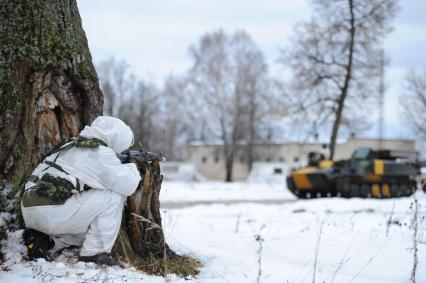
[48,86]
[141,239]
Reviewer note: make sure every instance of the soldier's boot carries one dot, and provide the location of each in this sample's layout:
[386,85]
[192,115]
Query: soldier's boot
[102,258]
[37,243]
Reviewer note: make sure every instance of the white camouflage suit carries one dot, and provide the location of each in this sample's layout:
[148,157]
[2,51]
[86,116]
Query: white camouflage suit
[91,218]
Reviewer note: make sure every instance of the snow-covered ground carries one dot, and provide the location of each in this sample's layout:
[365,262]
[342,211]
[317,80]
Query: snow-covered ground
[321,240]
[219,191]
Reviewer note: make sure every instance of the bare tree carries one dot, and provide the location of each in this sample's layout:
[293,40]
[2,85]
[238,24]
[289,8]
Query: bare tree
[116,82]
[158,116]
[177,121]
[335,59]
[141,110]
[225,79]
[413,101]
[133,100]
[253,84]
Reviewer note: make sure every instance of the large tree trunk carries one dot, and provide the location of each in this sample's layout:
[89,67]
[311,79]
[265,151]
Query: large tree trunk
[48,91]
[48,86]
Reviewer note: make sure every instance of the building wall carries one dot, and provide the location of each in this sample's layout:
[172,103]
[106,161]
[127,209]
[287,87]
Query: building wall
[209,161]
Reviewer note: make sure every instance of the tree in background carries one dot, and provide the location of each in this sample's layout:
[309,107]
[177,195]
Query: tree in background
[177,120]
[141,109]
[129,98]
[413,101]
[227,95]
[117,83]
[227,77]
[335,60]
[257,98]
[157,116]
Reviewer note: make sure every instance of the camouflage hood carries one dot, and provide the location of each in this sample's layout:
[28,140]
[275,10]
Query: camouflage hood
[114,132]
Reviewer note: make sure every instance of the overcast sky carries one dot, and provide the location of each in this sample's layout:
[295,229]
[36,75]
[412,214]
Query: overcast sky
[154,36]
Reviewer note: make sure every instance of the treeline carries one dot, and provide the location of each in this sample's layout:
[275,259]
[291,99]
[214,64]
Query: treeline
[227,95]
[335,62]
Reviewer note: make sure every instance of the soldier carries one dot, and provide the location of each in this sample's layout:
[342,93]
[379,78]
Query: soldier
[75,197]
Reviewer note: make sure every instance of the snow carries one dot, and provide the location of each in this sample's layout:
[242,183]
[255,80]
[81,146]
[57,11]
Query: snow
[268,171]
[180,171]
[5,217]
[65,268]
[343,240]
[219,191]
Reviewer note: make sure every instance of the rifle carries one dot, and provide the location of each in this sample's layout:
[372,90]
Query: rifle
[141,155]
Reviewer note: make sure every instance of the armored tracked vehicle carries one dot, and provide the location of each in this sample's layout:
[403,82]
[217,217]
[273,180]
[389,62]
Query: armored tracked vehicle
[367,174]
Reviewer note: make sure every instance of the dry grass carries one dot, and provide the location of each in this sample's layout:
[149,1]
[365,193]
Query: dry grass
[181,265]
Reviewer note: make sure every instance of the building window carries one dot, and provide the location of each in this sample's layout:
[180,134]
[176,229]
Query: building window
[268,159]
[216,159]
[296,159]
[278,170]
[204,159]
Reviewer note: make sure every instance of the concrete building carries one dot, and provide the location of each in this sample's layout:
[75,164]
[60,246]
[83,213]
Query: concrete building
[208,158]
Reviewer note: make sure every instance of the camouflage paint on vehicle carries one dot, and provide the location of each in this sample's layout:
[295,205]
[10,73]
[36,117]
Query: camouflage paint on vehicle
[367,174]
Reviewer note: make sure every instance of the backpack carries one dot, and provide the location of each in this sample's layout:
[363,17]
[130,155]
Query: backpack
[54,190]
